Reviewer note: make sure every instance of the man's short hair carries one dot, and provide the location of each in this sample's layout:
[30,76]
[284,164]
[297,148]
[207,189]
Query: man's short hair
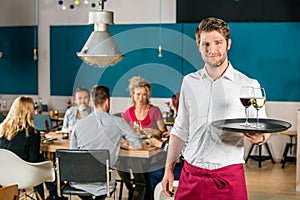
[99,94]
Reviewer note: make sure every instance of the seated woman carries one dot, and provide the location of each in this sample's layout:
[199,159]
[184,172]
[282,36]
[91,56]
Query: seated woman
[18,134]
[144,117]
[143,114]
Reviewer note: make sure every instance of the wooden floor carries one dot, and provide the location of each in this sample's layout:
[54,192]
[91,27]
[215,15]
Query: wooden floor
[270,182]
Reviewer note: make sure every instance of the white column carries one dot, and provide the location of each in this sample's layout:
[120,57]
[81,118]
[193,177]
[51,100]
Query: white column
[298,155]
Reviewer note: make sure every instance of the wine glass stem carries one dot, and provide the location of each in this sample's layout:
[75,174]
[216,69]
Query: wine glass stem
[247,116]
[256,118]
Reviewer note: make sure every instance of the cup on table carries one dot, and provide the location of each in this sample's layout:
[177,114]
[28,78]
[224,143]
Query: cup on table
[64,135]
[65,132]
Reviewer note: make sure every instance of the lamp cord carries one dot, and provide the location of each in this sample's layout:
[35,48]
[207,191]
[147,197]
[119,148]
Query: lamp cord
[35,31]
[160,21]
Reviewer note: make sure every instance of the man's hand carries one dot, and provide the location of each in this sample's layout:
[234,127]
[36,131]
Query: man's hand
[167,182]
[257,138]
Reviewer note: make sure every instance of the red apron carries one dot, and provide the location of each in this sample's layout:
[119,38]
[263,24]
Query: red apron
[226,183]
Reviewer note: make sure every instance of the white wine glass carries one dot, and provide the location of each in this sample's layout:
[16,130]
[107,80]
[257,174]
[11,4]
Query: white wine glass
[258,102]
[246,94]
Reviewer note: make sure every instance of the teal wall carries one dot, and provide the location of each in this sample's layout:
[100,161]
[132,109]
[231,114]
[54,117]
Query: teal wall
[270,53]
[265,51]
[18,70]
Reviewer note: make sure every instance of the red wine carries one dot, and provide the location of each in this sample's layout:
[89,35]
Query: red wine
[246,102]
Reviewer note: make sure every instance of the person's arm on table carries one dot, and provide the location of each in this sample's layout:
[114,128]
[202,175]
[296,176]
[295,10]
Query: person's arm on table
[156,132]
[127,146]
[175,147]
[131,139]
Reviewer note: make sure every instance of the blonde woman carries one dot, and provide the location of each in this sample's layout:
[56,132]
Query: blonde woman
[143,114]
[145,119]
[17,131]
[18,134]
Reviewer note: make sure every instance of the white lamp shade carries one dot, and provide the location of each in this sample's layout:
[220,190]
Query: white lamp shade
[101,49]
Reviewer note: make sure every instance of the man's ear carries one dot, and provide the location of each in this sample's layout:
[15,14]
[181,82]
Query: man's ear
[229,44]
[107,104]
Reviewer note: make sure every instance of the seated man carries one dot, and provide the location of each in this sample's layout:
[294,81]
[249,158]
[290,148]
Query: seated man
[100,130]
[79,111]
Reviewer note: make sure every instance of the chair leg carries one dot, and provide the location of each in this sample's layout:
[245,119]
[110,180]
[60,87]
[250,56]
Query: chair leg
[38,195]
[259,156]
[19,192]
[269,152]
[252,146]
[121,190]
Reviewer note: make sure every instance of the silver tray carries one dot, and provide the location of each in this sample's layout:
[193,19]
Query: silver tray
[269,125]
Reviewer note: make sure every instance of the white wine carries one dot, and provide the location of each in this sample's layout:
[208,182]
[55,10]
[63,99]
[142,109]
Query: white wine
[258,103]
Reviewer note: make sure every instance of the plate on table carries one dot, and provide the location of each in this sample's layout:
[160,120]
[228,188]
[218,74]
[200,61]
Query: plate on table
[49,140]
[268,125]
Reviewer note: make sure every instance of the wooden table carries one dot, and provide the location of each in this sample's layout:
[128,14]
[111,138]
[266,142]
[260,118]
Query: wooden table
[60,143]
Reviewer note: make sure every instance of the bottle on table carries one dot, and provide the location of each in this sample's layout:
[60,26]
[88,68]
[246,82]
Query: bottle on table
[40,106]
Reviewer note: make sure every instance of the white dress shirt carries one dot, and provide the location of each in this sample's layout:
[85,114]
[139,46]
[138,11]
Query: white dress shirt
[202,101]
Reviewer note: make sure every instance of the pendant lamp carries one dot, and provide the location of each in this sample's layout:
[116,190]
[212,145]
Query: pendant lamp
[100,49]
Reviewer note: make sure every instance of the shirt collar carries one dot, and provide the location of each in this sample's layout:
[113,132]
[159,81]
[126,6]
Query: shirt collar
[228,74]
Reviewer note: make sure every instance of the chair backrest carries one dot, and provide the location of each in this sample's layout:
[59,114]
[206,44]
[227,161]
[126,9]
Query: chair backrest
[39,121]
[48,128]
[9,192]
[14,170]
[83,165]
[159,192]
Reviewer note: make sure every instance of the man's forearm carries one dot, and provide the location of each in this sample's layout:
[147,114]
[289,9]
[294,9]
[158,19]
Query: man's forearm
[175,147]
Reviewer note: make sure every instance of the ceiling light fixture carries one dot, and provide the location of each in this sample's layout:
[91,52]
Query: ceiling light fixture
[101,48]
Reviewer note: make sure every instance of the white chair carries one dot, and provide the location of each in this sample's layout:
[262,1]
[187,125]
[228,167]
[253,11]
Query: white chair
[159,192]
[14,170]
